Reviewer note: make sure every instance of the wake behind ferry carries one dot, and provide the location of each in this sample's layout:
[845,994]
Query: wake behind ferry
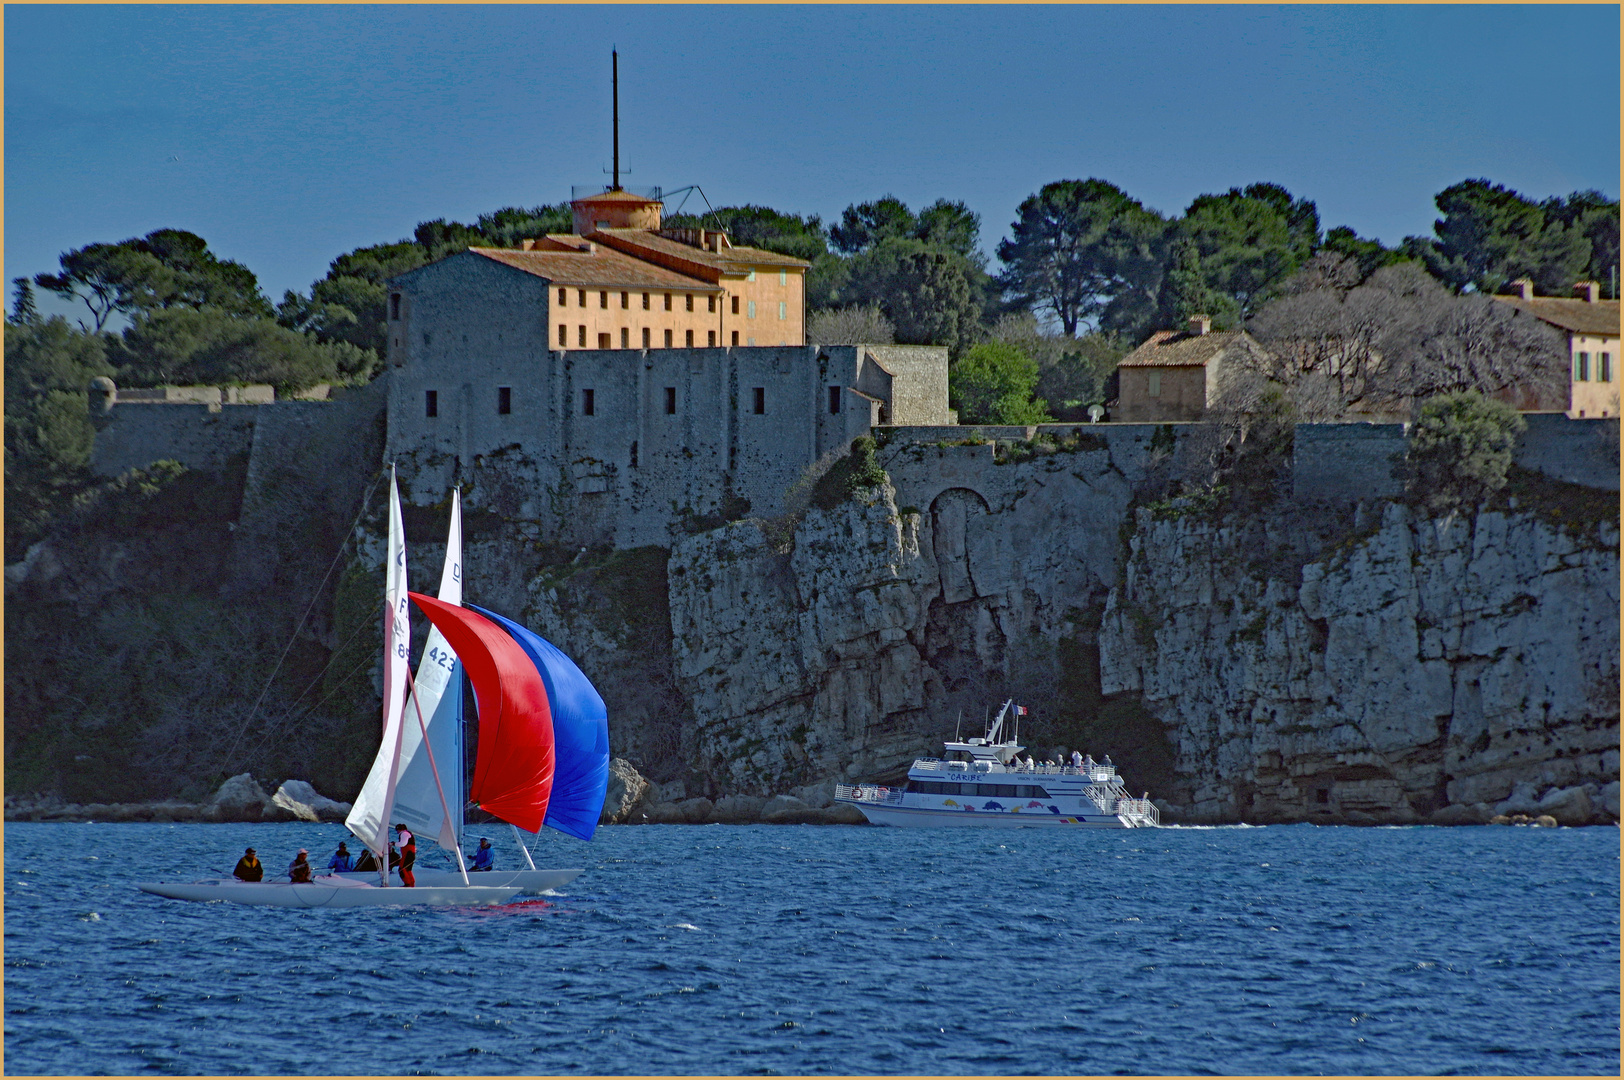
[984,782]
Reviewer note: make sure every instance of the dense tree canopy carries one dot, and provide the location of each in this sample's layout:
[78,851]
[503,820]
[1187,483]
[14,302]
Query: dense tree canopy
[1490,235]
[992,383]
[166,268]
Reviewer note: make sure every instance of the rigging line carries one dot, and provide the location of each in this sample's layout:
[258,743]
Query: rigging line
[310,712]
[276,725]
[366,501]
[338,651]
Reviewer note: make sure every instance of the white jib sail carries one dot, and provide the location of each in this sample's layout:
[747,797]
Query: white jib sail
[369,817]
[439,695]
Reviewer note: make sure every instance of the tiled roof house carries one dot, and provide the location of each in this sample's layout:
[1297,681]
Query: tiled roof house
[1175,374]
[1592,327]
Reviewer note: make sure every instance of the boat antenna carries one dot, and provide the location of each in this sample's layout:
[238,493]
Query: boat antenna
[958,725]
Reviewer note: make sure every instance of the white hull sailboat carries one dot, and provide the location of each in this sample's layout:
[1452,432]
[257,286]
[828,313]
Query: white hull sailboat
[543,754]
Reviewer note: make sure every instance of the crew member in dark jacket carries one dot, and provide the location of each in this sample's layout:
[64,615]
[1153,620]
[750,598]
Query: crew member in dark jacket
[341,862]
[484,857]
[248,868]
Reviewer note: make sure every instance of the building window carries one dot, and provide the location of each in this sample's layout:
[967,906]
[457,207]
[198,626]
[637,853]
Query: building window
[760,394]
[580,297]
[645,301]
[735,305]
[1155,380]
[1581,367]
[751,276]
[689,338]
[394,305]
[603,298]
[563,298]
[710,304]
[783,277]
[834,399]
[504,400]
[783,310]
[668,301]
[750,342]
[735,338]
[671,401]
[603,342]
[625,338]
[710,339]
[583,337]
[1604,367]
[634,453]
[563,335]
[426,339]
[668,339]
[625,300]
[689,301]
[646,338]
[589,403]
[431,403]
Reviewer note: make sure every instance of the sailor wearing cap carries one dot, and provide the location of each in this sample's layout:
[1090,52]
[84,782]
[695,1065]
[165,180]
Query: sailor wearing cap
[248,868]
[484,857]
[299,868]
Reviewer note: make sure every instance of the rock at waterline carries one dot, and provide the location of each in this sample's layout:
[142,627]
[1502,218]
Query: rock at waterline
[1568,806]
[239,798]
[626,789]
[301,800]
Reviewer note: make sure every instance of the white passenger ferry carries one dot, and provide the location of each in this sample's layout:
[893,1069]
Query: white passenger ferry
[984,782]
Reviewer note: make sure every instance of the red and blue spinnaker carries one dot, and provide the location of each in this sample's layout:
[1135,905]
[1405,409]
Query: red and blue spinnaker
[580,733]
[514,766]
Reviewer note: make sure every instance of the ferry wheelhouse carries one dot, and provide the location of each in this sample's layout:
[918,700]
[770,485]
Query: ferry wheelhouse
[985,782]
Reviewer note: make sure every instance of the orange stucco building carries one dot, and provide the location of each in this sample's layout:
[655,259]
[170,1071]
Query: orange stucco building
[621,282]
[1592,327]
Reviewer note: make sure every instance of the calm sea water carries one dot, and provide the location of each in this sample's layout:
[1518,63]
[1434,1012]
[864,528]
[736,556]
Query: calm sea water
[837,950]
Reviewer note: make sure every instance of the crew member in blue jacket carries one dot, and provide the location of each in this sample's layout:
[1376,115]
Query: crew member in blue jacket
[484,857]
[341,863]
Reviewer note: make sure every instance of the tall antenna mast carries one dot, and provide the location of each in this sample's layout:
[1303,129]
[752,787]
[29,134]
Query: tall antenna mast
[614,61]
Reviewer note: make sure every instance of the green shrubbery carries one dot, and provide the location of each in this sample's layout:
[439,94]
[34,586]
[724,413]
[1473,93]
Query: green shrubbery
[1461,447]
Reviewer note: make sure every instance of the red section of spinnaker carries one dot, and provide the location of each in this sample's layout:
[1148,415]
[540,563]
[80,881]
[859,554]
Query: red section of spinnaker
[513,768]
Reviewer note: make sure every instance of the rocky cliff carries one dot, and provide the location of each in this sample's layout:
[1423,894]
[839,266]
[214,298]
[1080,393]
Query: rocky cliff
[1423,663]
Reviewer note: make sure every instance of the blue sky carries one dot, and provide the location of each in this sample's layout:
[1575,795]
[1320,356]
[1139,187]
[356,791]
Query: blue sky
[288,135]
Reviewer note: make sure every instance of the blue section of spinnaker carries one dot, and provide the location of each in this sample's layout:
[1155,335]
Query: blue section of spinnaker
[580,733]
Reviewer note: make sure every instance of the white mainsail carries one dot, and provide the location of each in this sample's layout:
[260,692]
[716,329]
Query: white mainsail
[439,695]
[369,817]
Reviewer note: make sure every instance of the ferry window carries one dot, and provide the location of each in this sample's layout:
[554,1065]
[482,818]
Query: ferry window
[431,403]
[504,399]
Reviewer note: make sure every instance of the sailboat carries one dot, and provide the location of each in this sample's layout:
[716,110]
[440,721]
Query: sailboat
[579,747]
[542,759]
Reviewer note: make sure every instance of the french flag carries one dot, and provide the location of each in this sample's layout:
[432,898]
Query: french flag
[1020,710]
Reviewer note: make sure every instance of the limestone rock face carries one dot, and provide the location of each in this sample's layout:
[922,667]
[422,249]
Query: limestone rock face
[301,800]
[626,790]
[240,798]
[1427,662]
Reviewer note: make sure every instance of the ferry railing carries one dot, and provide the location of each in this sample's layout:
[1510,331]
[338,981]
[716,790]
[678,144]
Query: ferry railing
[1141,808]
[877,794]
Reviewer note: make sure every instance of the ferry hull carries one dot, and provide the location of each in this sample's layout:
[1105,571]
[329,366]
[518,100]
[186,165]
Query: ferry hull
[925,817]
[327,893]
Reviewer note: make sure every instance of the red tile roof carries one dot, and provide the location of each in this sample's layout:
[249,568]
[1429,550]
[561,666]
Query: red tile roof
[730,260]
[1180,348]
[1575,316]
[582,263]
